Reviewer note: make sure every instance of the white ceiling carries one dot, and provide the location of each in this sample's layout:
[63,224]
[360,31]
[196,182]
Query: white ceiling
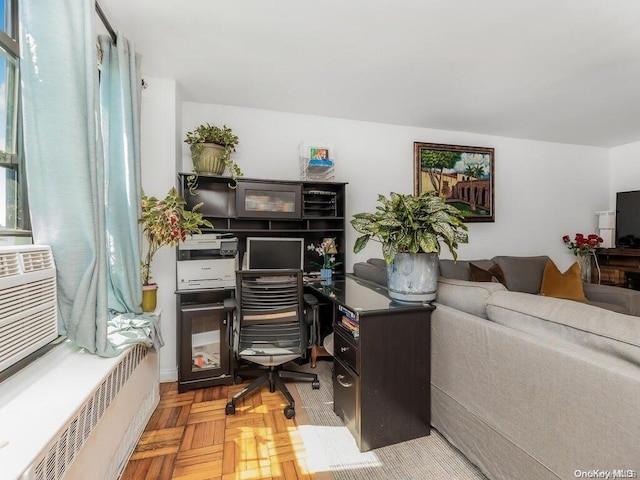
[556,70]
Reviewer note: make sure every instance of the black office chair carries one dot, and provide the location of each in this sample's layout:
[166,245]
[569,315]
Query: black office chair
[270,325]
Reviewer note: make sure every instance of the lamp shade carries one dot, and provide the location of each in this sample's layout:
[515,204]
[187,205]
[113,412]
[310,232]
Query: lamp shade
[606,219]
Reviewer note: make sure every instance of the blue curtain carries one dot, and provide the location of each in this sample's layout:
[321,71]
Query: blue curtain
[83,172]
[120,85]
[64,167]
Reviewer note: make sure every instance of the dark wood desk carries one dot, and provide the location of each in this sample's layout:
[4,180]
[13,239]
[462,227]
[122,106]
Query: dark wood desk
[382,375]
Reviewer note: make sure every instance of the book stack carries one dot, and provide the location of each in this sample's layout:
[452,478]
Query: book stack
[350,321]
[351,325]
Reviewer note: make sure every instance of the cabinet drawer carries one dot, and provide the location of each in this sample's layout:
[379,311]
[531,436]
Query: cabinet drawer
[346,397]
[346,351]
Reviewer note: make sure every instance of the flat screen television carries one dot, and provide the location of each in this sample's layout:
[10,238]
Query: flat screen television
[628,219]
[275,253]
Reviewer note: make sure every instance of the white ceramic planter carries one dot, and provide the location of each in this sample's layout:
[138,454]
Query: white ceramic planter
[413,277]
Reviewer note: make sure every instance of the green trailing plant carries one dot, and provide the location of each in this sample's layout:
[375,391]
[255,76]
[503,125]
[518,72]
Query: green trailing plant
[411,224]
[222,136]
[167,222]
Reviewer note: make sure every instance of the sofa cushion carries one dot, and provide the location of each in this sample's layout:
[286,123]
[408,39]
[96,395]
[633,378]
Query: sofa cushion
[562,285]
[460,269]
[522,274]
[491,274]
[372,270]
[378,262]
[469,297]
[575,323]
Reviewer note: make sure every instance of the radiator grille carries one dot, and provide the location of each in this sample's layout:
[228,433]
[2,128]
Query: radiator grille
[53,464]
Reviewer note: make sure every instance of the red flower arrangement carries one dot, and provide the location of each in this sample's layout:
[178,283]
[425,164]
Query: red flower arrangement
[582,245]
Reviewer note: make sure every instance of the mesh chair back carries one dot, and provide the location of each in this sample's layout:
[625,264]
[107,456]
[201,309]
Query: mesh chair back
[270,312]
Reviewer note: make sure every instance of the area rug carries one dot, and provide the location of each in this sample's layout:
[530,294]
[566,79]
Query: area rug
[331,448]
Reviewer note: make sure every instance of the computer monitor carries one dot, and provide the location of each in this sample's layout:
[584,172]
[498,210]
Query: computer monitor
[274,253]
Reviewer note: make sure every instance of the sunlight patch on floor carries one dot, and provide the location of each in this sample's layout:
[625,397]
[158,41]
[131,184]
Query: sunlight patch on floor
[344,454]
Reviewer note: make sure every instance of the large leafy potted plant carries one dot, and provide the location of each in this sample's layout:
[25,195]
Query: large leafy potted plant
[410,229]
[211,148]
[165,223]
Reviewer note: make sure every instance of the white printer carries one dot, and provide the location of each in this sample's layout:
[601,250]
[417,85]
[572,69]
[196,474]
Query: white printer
[207,260]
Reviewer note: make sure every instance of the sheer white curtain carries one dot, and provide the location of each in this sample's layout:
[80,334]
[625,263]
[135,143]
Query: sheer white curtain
[82,165]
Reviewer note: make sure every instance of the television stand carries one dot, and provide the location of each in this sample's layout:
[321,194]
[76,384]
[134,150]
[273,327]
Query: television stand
[619,267]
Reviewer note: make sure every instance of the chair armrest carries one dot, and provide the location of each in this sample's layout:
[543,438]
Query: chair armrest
[624,297]
[310,300]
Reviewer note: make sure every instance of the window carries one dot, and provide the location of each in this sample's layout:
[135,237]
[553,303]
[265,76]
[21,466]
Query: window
[13,208]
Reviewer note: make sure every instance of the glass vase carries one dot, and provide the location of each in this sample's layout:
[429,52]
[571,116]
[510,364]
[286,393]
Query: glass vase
[326,273]
[584,261]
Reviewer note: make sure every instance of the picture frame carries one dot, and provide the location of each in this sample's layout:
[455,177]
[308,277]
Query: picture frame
[319,153]
[463,175]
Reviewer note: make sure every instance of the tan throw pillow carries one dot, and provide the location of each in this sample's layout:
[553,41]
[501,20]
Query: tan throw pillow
[492,274]
[562,285]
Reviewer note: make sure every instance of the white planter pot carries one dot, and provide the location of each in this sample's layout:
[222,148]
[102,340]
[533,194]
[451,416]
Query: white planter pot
[413,277]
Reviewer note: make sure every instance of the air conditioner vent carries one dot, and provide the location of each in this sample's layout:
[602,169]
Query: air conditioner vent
[9,264]
[28,304]
[36,260]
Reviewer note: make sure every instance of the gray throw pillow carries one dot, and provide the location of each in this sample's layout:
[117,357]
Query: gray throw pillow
[522,274]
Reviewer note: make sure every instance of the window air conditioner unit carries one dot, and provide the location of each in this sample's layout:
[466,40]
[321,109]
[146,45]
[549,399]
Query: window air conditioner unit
[28,307]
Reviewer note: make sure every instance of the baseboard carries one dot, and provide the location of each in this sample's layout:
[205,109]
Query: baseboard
[169,375]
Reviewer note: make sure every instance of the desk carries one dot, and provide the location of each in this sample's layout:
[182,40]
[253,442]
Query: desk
[382,374]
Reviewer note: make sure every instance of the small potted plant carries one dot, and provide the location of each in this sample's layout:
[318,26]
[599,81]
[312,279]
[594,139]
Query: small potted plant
[165,222]
[326,250]
[211,148]
[410,229]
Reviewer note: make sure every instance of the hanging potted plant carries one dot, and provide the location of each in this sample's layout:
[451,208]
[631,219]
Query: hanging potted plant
[410,229]
[165,222]
[211,148]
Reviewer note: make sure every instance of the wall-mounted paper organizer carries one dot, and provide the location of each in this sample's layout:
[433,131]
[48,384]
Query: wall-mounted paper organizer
[316,162]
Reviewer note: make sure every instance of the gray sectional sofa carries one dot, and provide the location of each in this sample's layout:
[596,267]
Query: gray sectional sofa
[533,387]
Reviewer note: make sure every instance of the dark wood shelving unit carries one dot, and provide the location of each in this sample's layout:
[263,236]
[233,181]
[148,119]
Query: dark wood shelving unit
[618,266]
[318,211]
[254,208]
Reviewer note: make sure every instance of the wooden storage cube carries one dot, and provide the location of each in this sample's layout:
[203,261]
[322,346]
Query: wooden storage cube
[609,275]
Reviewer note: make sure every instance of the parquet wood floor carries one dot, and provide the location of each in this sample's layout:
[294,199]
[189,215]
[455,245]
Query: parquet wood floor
[189,437]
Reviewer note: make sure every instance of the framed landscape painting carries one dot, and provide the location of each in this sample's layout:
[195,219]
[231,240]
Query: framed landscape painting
[462,175]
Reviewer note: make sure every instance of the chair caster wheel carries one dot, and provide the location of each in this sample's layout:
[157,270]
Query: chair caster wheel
[289,412]
[230,409]
[237,380]
[315,385]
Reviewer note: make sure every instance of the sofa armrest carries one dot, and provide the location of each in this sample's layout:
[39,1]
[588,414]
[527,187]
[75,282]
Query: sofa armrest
[624,297]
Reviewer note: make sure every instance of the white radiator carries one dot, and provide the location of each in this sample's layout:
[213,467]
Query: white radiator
[27,301]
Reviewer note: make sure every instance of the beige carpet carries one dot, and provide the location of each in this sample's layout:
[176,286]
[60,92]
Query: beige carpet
[332,449]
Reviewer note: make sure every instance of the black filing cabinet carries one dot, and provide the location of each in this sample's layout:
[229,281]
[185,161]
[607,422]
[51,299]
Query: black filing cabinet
[382,373]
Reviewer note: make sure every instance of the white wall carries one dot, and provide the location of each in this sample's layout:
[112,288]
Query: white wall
[542,191]
[625,170]
[159,147]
